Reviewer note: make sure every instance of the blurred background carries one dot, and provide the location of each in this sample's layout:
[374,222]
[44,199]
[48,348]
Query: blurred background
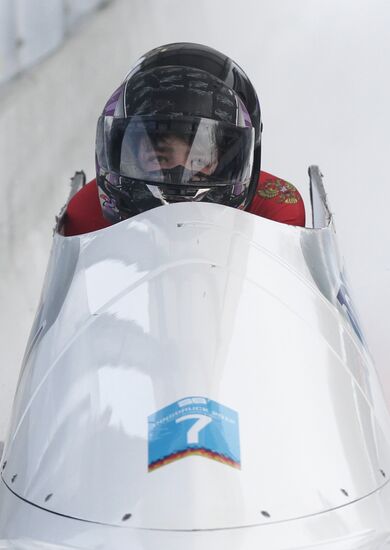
[321,69]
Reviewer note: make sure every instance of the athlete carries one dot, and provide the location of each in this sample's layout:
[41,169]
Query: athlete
[184,125]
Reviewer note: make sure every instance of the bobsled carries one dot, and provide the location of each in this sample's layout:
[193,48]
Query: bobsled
[196,377]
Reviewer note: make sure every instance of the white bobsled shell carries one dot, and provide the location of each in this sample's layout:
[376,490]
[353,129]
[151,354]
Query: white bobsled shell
[196,300]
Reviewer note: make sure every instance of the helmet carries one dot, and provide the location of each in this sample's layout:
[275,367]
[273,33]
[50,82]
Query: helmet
[184,125]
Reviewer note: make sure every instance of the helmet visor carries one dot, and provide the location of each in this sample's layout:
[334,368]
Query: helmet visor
[162,150]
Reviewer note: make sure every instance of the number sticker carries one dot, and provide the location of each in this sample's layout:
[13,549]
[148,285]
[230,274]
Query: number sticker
[194,426]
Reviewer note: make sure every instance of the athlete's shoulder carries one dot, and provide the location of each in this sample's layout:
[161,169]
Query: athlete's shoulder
[278,200]
[83,212]
[273,187]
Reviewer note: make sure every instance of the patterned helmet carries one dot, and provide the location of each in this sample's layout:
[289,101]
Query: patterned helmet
[184,125]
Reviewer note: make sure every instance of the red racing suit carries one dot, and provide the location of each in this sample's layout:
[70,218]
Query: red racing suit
[274,199]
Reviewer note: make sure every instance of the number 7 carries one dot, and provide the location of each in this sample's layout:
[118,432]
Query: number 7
[193,432]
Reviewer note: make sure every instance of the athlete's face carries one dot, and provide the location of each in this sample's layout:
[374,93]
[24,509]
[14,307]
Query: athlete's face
[171,151]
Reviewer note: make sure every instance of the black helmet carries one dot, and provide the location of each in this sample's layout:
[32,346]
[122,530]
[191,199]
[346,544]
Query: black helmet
[183,126]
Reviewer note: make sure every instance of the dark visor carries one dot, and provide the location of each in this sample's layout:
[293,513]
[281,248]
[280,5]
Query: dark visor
[185,151]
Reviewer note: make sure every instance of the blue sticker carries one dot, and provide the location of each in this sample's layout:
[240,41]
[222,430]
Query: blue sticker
[194,426]
[346,303]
